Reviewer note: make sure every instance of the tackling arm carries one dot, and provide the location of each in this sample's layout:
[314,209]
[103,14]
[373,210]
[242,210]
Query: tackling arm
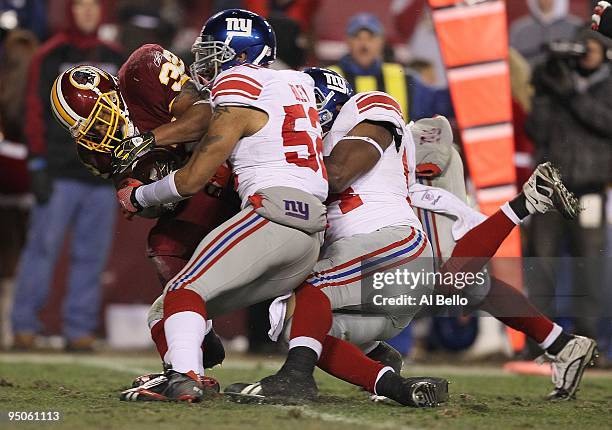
[193,115]
[193,118]
[356,154]
[228,125]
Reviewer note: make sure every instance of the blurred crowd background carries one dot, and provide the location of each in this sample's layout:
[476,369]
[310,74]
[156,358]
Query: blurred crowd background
[89,264]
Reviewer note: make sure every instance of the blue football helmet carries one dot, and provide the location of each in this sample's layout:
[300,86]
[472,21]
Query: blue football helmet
[226,35]
[331,91]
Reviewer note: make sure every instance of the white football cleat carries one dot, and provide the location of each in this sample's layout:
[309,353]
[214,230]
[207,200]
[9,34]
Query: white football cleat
[568,366]
[544,191]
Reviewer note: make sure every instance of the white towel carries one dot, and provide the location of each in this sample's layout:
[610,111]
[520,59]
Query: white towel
[441,201]
[277,312]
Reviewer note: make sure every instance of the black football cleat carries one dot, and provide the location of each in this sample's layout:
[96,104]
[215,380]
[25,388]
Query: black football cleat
[170,386]
[286,387]
[387,355]
[210,384]
[418,391]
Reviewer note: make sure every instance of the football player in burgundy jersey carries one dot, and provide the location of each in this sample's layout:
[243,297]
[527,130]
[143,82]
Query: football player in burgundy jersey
[152,101]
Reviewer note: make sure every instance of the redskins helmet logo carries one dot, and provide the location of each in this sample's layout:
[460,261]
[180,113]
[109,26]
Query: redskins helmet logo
[85,78]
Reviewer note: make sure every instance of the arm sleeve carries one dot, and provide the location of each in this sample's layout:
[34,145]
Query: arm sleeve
[236,88]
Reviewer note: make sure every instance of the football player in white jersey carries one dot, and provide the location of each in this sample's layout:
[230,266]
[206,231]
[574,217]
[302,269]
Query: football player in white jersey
[265,123]
[372,229]
[569,354]
[464,240]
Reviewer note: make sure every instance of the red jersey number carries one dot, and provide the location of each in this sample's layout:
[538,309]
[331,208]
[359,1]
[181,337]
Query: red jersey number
[292,138]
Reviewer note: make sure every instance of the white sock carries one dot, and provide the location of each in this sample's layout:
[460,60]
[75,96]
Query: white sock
[185,332]
[308,342]
[552,336]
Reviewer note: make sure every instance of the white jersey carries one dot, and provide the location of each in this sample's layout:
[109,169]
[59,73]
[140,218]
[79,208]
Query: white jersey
[380,197]
[287,151]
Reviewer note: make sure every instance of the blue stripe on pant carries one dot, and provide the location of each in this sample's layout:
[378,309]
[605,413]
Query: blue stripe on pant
[89,213]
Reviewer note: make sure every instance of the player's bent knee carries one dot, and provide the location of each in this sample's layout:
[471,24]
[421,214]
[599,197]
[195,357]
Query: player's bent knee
[156,311]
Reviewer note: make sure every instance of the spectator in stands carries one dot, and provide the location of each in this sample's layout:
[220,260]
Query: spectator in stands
[424,69]
[68,197]
[17,51]
[300,11]
[143,22]
[365,69]
[424,44]
[24,14]
[570,126]
[522,91]
[549,20]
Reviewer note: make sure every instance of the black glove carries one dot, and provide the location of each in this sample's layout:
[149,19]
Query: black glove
[41,184]
[130,149]
[555,77]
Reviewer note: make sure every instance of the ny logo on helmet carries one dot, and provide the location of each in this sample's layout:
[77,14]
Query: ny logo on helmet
[336,83]
[239,26]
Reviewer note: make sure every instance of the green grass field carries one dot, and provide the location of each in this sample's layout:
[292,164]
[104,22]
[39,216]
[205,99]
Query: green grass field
[85,388]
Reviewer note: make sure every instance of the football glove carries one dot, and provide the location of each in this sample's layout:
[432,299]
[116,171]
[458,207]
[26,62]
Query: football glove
[130,149]
[126,194]
[601,20]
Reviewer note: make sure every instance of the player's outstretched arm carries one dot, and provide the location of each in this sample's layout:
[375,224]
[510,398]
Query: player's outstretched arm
[193,113]
[228,125]
[356,154]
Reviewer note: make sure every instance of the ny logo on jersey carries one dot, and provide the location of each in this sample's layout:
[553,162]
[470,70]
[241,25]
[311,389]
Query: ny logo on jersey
[239,26]
[297,209]
[299,93]
[336,83]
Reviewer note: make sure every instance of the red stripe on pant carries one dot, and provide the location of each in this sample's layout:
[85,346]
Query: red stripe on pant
[225,251]
[380,269]
[370,255]
[187,268]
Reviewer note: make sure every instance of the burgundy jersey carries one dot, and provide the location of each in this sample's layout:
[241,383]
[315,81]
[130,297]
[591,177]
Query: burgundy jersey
[149,81]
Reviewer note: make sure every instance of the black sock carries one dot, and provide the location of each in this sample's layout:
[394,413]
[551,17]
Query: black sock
[519,206]
[559,343]
[389,385]
[300,359]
